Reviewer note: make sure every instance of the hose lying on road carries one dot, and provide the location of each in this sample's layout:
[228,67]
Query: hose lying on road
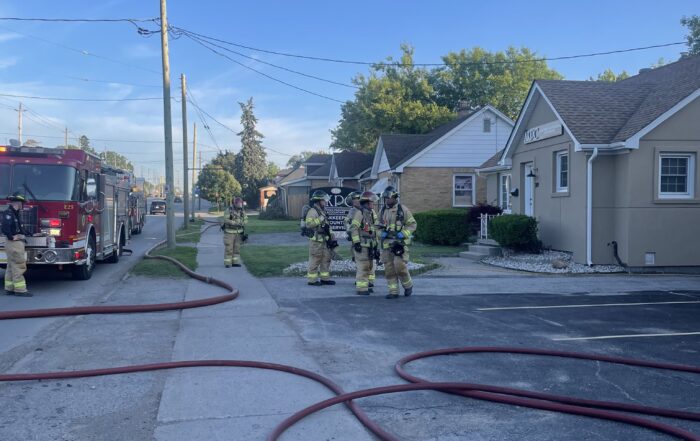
[584,407]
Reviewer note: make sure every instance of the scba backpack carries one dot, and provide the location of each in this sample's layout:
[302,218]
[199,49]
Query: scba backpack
[305,231]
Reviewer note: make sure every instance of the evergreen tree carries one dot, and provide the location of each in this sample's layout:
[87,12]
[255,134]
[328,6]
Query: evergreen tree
[251,161]
[85,145]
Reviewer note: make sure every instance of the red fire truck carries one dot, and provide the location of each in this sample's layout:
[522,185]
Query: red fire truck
[77,209]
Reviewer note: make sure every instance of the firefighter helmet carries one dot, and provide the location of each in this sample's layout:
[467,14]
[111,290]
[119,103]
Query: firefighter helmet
[390,192]
[17,197]
[353,196]
[320,195]
[368,196]
[237,200]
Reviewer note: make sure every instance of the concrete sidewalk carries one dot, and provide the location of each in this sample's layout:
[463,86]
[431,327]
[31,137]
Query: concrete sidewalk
[241,403]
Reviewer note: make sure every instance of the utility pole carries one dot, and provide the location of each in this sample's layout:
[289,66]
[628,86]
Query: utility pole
[185,183]
[65,138]
[19,124]
[199,198]
[169,181]
[194,164]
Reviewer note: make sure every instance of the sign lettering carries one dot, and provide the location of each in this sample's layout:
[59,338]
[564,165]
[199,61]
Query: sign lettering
[336,208]
[544,131]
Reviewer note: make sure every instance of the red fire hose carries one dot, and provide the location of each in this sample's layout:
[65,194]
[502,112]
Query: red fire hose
[576,406]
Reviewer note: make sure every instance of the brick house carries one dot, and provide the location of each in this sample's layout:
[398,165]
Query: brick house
[438,169]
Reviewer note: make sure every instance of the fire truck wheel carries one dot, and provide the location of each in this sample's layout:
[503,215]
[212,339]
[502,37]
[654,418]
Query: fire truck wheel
[114,258]
[84,272]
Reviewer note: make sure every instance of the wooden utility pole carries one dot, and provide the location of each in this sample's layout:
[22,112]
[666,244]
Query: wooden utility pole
[19,124]
[185,184]
[199,198]
[65,138]
[194,164]
[169,175]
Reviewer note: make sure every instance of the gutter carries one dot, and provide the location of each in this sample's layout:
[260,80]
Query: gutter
[589,207]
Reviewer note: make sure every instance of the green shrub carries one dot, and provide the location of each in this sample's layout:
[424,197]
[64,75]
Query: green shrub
[443,227]
[274,210]
[515,231]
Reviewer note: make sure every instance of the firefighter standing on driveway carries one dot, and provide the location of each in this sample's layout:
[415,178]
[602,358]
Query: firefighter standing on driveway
[234,232]
[15,285]
[319,251]
[396,225]
[363,234]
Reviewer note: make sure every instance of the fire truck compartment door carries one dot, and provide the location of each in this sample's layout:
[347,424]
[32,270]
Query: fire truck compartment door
[107,233]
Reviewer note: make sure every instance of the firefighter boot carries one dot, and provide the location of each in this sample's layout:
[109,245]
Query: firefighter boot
[22,294]
[408,291]
[316,283]
[392,296]
[327,282]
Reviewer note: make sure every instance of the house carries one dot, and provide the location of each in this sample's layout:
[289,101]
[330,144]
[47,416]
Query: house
[348,167]
[438,169]
[293,189]
[611,168]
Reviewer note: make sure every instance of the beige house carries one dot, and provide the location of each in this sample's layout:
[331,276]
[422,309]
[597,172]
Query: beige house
[609,165]
[438,169]
[293,189]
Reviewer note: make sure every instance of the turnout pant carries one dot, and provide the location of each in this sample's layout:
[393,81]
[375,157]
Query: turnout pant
[319,261]
[365,270]
[396,270]
[16,266]
[232,248]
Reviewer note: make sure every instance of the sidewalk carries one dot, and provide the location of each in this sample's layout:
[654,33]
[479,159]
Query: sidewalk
[233,403]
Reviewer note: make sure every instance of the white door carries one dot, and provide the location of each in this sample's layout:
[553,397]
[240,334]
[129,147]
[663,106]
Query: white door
[529,193]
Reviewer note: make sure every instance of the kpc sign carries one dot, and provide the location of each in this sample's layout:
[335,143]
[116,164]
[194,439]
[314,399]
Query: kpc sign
[337,207]
[544,131]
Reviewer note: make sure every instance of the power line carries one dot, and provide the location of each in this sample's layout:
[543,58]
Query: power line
[87,20]
[206,45]
[109,82]
[198,111]
[374,63]
[79,99]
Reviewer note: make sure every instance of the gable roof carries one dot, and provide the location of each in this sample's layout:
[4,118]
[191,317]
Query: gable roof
[604,113]
[349,164]
[493,160]
[294,175]
[323,171]
[318,158]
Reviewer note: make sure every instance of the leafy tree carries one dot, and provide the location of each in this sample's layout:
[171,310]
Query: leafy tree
[272,170]
[396,97]
[116,160]
[297,160]
[693,37]
[476,77]
[226,160]
[251,161]
[32,143]
[217,185]
[610,76]
[85,145]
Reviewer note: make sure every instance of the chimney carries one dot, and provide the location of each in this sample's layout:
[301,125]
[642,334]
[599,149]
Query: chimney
[644,70]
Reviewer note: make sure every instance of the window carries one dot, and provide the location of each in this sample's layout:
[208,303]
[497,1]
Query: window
[504,193]
[487,125]
[676,176]
[463,195]
[47,182]
[562,172]
[4,180]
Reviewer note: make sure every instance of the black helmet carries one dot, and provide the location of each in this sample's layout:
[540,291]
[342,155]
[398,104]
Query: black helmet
[17,197]
[368,196]
[353,196]
[320,195]
[390,192]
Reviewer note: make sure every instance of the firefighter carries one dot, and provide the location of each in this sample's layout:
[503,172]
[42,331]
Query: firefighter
[363,234]
[396,226]
[320,242]
[15,285]
[234,233]
[355,198]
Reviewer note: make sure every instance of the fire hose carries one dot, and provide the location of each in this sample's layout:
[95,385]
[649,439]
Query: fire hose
[576,406]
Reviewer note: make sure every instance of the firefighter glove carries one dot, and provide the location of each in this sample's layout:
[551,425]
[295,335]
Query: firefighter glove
[400,235]
[384,235]
[357,246]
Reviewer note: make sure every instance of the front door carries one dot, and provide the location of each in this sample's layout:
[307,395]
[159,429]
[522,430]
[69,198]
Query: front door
[529,193]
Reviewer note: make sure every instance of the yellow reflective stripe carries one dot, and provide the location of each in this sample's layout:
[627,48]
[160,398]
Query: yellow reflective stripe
[372,277]
[325,274]
[355,223]
[9,285]
[21,285]
[355,238]
[410,220]
[362,284]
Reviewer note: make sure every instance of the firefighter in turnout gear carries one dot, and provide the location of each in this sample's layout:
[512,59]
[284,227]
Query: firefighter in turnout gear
[363,234]
[355,198]
[319,243]
[396,226]
[234,233]
[15,285]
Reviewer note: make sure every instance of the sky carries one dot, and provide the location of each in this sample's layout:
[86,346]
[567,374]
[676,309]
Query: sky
[112,61]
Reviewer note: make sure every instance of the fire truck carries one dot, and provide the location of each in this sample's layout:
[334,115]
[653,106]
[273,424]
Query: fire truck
[137,205]
[77,209]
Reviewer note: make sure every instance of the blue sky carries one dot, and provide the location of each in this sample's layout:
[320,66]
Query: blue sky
[45,59]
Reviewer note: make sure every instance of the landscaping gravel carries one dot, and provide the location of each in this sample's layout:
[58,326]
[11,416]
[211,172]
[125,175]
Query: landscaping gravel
[341,267]
[547,262]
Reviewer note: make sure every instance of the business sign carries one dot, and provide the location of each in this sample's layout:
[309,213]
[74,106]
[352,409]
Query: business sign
[337,207]
[549,130]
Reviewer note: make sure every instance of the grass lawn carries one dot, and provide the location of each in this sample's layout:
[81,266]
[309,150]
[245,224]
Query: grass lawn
[161,268]
[193,233]
[270,260]
[258,226]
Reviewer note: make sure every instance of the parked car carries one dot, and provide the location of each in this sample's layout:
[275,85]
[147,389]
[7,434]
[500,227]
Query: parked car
[158,207]
[178,200]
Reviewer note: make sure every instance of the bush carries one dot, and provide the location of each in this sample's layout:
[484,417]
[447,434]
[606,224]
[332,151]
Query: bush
[516,231]
[273,211]
[475,213]
[443,227]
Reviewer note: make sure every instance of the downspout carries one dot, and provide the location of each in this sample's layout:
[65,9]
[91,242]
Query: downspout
[589,208]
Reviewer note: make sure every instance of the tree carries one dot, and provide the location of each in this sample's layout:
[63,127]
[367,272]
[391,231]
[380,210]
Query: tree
[476,77]
[226,160]
[396,97]
[251,161]
[116,160]
[272,170]
[32,143]
[217,185]
[693,37]
[296,160]
[609,76]
[85,145]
